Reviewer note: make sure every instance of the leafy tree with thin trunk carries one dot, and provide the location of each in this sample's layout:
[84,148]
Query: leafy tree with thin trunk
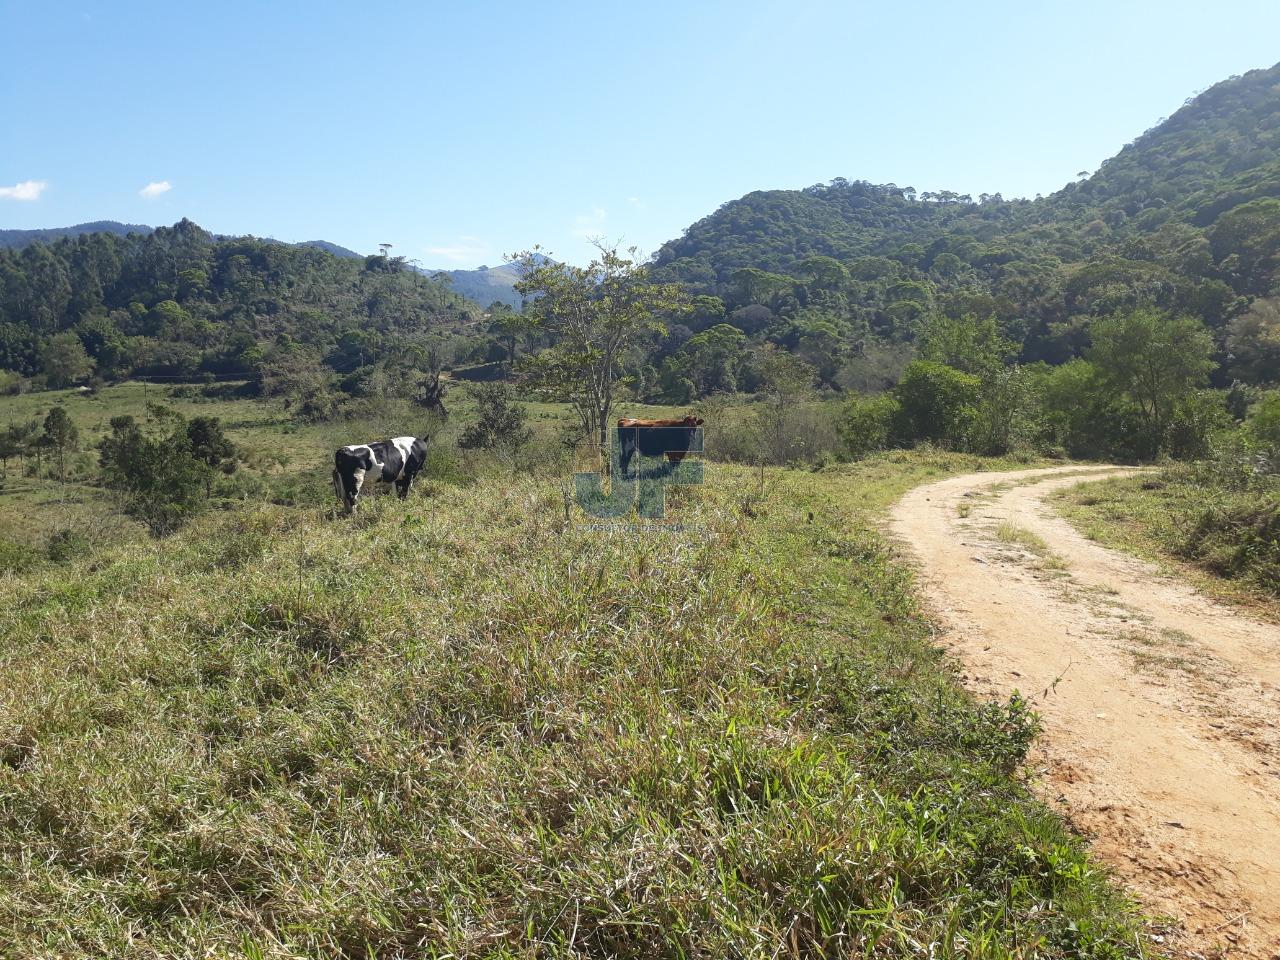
[786,381]
[64,360]
[593,316]
[12,444]
[1152,358]
[60,435]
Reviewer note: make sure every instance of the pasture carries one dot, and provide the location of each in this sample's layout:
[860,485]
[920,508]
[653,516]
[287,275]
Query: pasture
[476,724]
[282,459]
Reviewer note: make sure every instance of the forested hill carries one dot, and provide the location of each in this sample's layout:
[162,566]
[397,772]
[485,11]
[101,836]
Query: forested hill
[179,302]
[1186,219]
[1221,149]
[17,239]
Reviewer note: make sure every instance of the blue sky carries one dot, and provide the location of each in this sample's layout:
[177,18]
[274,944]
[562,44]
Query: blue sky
[462,131]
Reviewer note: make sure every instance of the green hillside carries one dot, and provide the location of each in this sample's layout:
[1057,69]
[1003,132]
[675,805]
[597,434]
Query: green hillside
[1185,218]
[484,285]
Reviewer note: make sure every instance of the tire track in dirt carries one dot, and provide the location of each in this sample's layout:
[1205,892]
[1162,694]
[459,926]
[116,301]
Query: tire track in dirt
[1161,707]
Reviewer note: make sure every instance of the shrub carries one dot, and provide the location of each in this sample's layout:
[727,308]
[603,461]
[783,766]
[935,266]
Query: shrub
[1263,425]
[16,557]
[1197,417]
[66,545]
[499,422]
[11,383]
[445,465]
[160,478]
[867,422]
[937,403]
[1241,540]
[803,433]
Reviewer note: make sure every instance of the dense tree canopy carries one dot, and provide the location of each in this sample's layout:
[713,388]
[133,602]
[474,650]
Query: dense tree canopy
[178,302]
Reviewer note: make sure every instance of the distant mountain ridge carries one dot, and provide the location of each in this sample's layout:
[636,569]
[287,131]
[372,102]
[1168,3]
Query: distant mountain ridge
[486,284]
[16,239]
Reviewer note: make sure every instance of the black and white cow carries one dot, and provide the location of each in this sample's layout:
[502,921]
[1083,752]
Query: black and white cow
[397,461]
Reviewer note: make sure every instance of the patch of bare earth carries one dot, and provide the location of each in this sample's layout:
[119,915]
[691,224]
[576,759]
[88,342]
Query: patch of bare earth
[1161,707]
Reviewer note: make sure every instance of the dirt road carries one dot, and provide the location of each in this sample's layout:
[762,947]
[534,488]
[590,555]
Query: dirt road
[1161,708]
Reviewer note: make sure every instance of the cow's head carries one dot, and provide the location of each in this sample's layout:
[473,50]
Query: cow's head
[349,467]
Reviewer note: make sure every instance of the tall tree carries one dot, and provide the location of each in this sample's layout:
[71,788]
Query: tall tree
[593,316]
[506,325]
[1253,341]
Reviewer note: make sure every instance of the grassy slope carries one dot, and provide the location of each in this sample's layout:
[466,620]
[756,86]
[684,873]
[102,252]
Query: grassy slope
[465,726]
[1182,522]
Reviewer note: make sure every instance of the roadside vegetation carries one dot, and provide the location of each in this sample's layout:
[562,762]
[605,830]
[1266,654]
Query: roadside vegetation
[1220,515]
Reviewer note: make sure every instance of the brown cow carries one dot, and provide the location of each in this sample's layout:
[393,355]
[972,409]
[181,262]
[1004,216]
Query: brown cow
[673,439]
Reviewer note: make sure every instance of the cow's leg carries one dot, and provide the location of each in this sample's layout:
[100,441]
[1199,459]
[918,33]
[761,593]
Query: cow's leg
[411,471]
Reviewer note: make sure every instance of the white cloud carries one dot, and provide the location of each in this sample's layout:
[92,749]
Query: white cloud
[153,190]
[27,190]
[464,250]
[590,224]
[636,202]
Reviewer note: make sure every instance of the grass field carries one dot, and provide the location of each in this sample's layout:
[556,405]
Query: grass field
[475,724]
[281,455]
[1225,538]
